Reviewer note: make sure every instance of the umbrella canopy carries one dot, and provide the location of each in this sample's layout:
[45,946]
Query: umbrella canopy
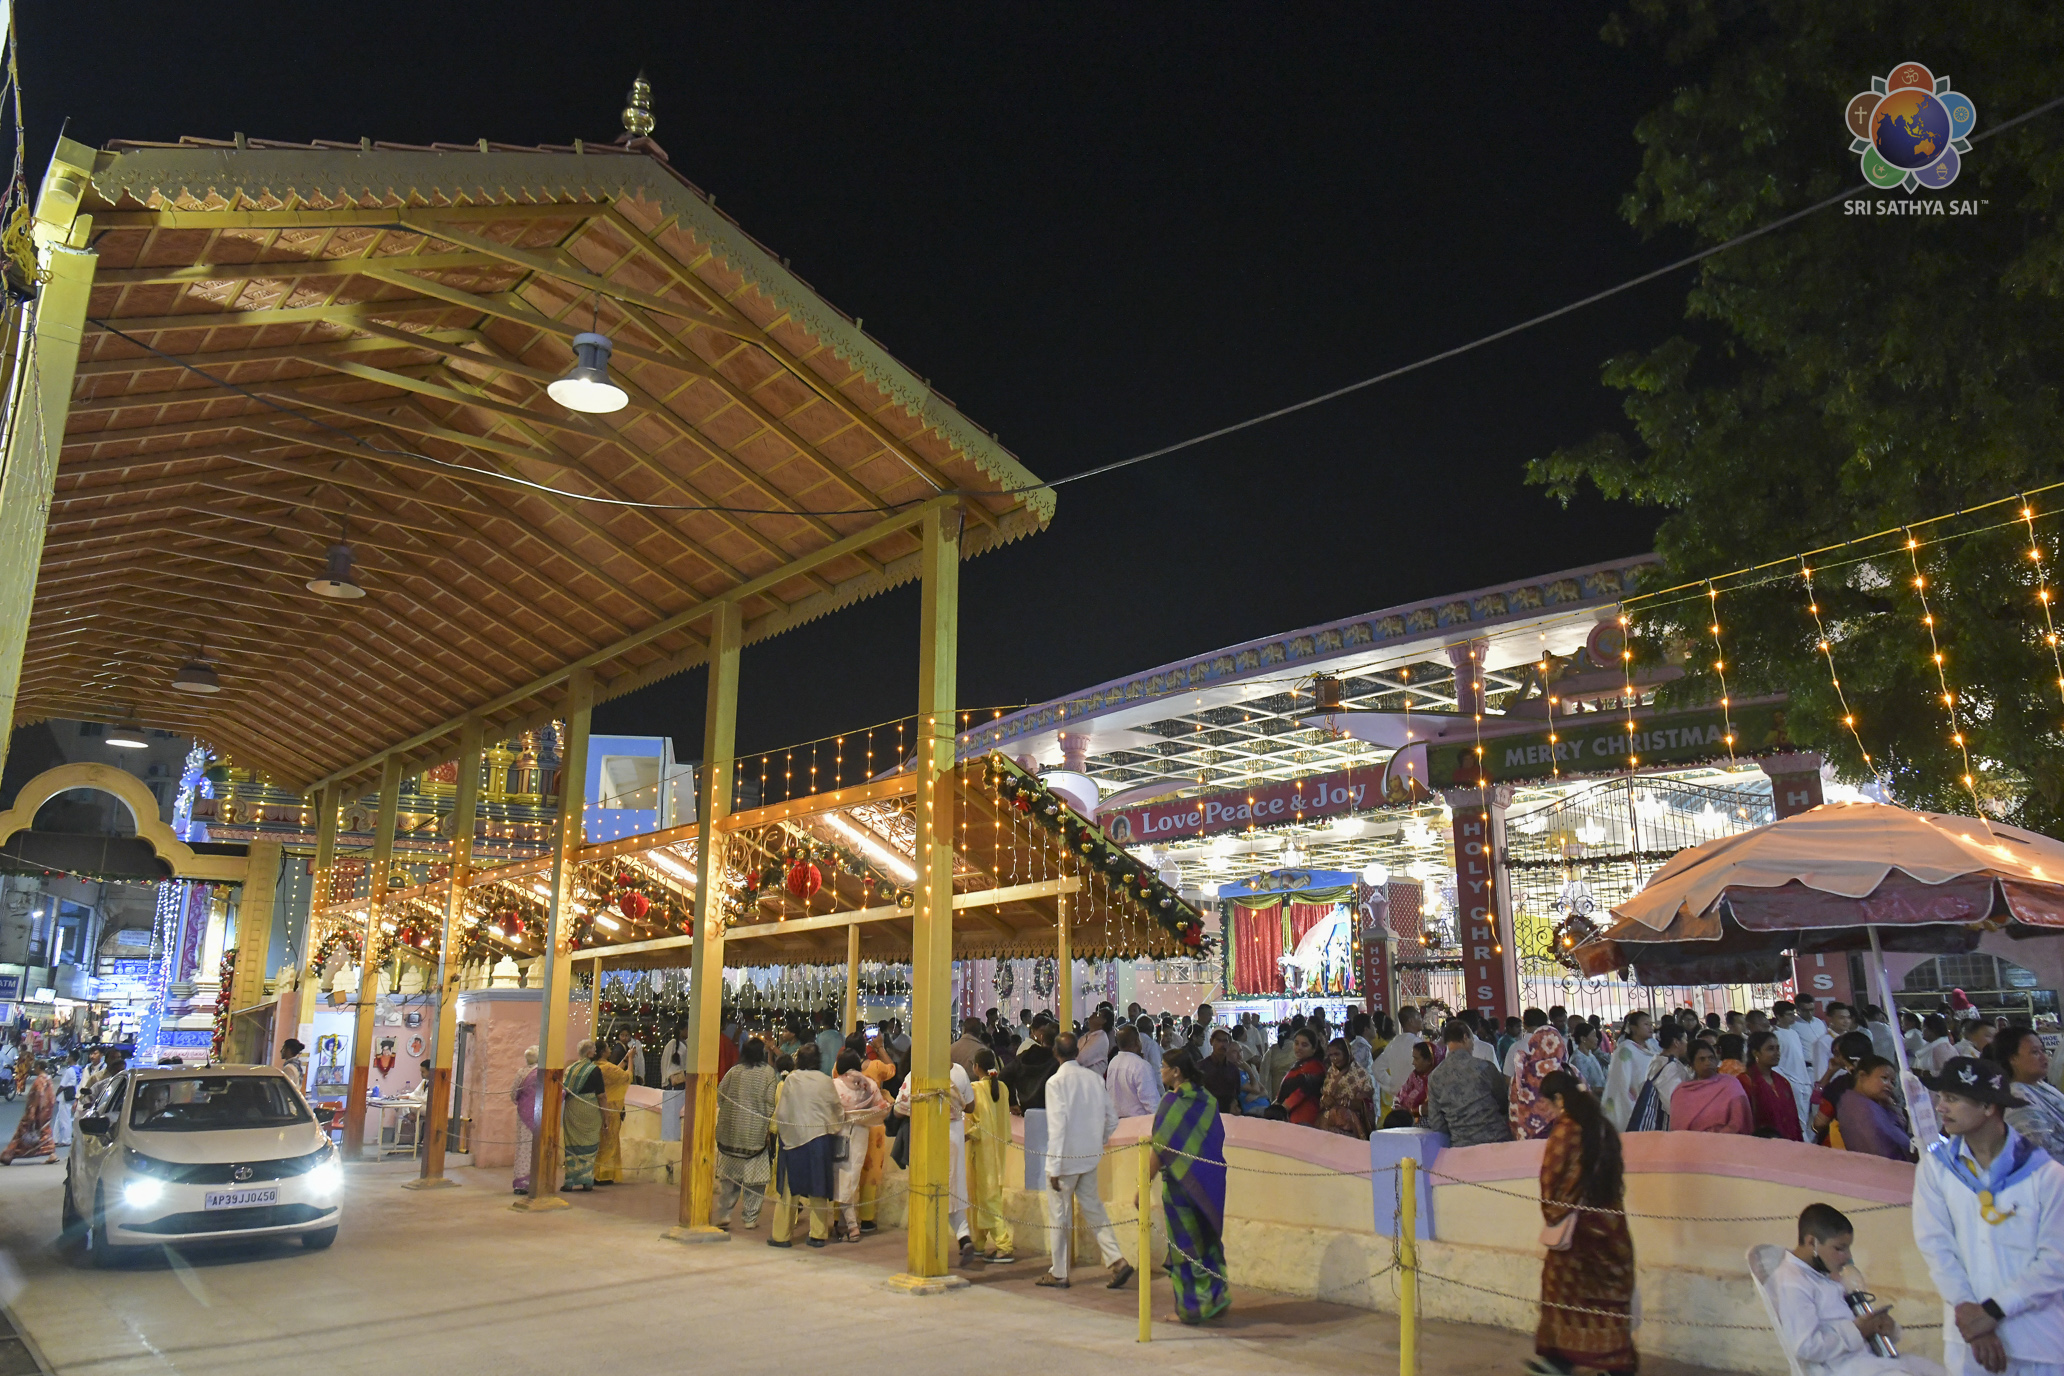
[1730,910]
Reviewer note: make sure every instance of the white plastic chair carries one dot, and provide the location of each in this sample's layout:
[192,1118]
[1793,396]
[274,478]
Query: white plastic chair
[1764,1259]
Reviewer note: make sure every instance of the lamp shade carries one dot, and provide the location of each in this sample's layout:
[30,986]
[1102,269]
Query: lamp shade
[128,736]
[586,386]
[196,677]
[337,580]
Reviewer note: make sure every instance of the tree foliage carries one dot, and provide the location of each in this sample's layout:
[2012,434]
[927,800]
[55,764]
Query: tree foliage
[1849,374]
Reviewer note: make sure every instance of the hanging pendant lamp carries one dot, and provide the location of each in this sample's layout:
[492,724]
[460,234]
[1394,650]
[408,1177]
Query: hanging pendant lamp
[197,675]
[337,580]
[586,386]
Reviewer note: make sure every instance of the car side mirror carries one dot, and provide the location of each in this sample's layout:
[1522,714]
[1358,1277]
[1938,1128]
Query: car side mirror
[96,1125]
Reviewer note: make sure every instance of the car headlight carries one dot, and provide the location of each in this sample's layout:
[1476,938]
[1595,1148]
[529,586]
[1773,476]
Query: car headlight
[328,1178]
[141,1192]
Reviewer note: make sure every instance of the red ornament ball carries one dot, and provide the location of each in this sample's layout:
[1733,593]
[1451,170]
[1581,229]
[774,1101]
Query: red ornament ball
[633,905]
[804,879]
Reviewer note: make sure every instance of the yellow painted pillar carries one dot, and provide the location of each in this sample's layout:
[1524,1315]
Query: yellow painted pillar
[328,800]
[852,979]
[465,816]
[706,975]
[1064,966]
[48,347]
[548,1156]
[369,973]
[254,925]
[933,1247]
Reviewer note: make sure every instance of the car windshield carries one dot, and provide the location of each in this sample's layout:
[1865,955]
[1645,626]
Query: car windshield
[208,1103]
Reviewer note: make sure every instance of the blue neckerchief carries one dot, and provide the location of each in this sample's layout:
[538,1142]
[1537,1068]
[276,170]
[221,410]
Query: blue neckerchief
[2018,1158]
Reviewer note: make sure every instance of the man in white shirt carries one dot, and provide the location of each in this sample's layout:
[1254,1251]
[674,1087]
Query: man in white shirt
[1095,1044]
[1629,1068]
[67,1101]
[1814,1320]
[1811,1026]
[673,1080]
[1079,1120]
[1393,1065]
[960,1097]
[1914,1033]
[1936,1047]
[1791,1055]
[1135,1085]
[1149,1045]
[1988,1218]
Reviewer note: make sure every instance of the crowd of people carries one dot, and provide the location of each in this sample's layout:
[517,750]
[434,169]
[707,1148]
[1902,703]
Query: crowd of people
[51,1088]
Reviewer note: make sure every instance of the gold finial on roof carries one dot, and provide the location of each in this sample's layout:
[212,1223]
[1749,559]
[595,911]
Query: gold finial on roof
[637,116]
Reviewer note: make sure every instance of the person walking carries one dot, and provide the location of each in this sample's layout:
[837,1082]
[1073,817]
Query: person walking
[1189,1147]
[1988,1218]
[1587,1279]
[745,1125]
[1079,1120]
[523,1094]
[808,1120]
[960,1096]
[32,1135]
[580,1119]
[861,1101]
[294,1062]
[989,1227]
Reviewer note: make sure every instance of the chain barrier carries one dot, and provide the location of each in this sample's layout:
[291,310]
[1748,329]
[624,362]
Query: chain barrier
[1652,1218]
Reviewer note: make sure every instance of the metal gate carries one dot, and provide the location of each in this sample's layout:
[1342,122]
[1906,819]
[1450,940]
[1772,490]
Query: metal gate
[1569,861]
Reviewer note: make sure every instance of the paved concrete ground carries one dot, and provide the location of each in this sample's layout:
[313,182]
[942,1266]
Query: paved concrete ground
[453,1282]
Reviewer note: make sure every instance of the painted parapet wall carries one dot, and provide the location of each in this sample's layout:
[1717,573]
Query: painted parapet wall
[1302,1219]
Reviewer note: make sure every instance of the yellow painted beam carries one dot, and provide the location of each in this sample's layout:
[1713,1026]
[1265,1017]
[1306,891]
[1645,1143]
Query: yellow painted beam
[254,925]
[368,973]
[933,1246]
[465,817]
[706,979]
[547,1161]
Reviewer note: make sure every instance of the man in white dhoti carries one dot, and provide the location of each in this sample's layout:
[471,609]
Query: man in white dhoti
[1988,1218]
[960,1096]
[1792,1062]
[1079,1120]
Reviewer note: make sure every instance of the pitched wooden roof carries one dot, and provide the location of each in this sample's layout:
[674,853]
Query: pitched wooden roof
[296,344]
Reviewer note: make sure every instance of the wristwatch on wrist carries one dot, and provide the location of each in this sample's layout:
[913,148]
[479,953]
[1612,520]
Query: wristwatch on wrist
[1992,1307]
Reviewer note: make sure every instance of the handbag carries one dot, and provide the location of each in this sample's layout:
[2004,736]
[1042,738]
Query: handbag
[1560,1237]
[1650,1113]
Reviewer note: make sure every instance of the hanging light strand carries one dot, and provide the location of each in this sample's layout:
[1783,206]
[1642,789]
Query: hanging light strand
[1827,652]
[1720,669]
[1956,730]
[2042,594]
[1627,683]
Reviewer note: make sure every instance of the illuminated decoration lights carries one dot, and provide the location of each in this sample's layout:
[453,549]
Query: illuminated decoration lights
[2042,594]
[1627,682]
[1827,650]
[226,975]
[1956,730]
[172,904]
[1720,669]
[1121,874]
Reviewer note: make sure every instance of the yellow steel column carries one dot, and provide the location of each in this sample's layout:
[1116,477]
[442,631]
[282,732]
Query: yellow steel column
[547,1156]
[1064,966]
[465,815]
[328,800]
[1408,1267]
[369,973]
[38,398]
[852,979]
[706,973]
[932,1243]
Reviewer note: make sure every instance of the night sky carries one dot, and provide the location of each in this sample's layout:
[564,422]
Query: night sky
[1098,229]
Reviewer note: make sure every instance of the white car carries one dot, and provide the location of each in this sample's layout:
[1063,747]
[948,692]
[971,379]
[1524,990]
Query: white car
[188,1154]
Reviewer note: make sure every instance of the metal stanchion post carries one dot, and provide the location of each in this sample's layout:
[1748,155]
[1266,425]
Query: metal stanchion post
[1408,1267]
[1146,1240]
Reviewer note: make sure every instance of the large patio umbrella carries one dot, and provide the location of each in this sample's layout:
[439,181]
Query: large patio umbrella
[1842,876]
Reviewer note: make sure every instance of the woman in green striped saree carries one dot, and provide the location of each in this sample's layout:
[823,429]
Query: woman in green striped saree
[1189,1142]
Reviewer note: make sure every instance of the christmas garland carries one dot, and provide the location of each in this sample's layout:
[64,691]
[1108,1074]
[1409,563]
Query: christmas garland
[226,973]
[339,936]
[1145,889]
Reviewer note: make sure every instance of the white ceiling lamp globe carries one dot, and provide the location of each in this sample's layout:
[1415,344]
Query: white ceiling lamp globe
[1375,874]
[586,386]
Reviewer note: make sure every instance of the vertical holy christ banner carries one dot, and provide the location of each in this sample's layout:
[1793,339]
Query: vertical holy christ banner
[1490,963]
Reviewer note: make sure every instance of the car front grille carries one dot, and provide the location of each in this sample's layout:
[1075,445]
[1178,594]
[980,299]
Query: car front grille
[230,1220]
[226,1172]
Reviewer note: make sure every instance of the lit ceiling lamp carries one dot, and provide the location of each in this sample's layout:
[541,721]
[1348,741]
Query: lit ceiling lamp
[127,736]
[197,675]
[1375,874]
[337,580]
[586,386]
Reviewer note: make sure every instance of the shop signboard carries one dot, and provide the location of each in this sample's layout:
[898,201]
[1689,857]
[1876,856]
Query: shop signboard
[1237,809]
[1597,743]
[10,988]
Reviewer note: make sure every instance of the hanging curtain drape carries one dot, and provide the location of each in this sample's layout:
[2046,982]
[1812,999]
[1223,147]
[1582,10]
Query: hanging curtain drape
[1257,942]
[1304,917]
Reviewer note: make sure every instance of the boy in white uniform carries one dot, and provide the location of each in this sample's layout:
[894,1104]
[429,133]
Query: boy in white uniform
[1988,1217]
[1819,1330]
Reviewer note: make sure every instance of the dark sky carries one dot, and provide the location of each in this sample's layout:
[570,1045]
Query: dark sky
[1098,229]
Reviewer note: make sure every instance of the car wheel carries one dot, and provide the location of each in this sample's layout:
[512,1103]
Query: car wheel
[319,1239]
[100,1251]
[71,1208]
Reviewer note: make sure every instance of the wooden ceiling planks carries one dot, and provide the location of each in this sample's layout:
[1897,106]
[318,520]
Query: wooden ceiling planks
[289,343]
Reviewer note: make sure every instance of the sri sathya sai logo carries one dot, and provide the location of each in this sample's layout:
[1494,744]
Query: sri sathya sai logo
[1911,129]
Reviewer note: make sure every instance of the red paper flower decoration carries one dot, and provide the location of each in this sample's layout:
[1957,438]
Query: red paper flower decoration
[804,879]
[633,905]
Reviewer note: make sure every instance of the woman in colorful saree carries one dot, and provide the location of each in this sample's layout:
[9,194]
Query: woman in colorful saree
[1189,1143]
[580,1121]
[39,1110]
[1587,1281]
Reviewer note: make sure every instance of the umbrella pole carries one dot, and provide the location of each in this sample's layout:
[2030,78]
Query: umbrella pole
[1910,1087]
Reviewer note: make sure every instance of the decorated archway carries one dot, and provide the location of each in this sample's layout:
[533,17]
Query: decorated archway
[128,790]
